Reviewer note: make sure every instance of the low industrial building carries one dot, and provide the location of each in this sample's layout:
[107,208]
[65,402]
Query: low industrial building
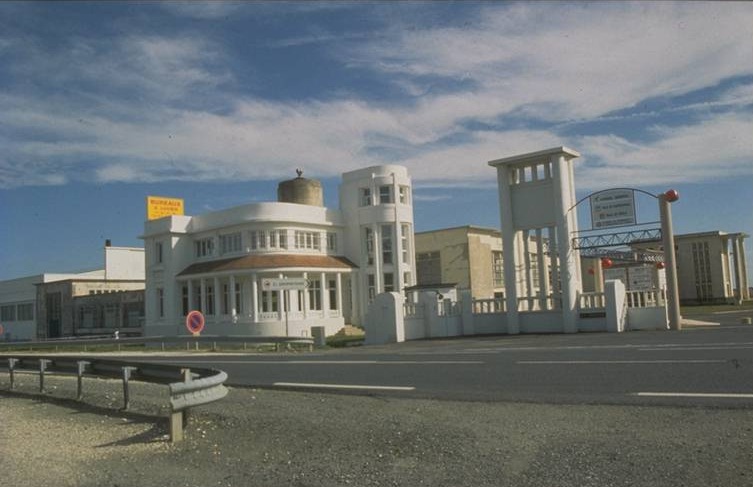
[230,264]
[47,305]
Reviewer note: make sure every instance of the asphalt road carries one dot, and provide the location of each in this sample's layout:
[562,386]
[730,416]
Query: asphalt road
[695,367]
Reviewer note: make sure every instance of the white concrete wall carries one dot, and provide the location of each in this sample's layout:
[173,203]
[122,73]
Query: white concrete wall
[124,263]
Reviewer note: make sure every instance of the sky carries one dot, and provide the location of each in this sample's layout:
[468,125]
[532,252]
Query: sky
[102,104]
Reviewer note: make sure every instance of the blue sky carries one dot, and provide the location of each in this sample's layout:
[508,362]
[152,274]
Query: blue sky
[104,103]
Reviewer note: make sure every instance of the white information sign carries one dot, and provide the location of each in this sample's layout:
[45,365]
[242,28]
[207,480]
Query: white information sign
[641,278]
[613,208]
[292,283]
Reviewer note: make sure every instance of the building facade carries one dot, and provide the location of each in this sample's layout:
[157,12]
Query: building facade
[42,306]
[229,264]
[469,256]
[711,267]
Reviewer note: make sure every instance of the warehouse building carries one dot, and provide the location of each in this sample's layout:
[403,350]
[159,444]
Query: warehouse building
[229,264]
[45,305]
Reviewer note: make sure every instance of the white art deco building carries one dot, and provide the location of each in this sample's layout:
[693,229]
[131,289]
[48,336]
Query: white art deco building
[220,263]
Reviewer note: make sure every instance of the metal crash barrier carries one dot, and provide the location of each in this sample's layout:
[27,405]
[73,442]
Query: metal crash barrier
[188,387]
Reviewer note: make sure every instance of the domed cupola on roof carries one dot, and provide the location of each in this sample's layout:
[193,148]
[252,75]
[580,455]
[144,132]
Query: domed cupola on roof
[301,191]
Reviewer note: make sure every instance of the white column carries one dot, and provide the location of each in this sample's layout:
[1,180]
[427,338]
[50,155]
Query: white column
[323,292]
[231,295]
[281,300]
[543,280]
[508,248]
[568,258]
[736,247]
[254,311]
[377,257]
[305,298]
[339,294]
[744,267]
[527,271]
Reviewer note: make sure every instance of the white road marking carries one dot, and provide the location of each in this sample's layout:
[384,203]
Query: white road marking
[339,362]
[695,348]
[344,386]
[620,362]
[694,394]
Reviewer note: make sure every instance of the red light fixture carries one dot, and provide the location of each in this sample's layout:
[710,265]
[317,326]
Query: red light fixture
[671,195]
[606,262]
[591,271]
[660,265]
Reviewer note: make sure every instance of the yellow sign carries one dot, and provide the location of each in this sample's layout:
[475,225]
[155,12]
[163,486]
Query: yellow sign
[158,207]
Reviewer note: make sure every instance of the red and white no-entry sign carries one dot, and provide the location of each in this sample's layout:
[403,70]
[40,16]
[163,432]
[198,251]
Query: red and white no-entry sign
[195,322]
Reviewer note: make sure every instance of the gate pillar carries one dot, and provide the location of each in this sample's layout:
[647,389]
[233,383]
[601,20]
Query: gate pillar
[536,195]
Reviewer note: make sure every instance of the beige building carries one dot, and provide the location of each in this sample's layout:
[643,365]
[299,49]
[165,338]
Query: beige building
[469,256]
[711,267]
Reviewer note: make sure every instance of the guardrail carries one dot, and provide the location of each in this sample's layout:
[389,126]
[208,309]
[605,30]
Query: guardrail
[189,387]
[162,340]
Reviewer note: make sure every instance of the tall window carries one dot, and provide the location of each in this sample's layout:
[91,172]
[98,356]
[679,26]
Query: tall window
[278,239]
[332,241]
[385,194]
[158,252]
[204,247]
[371,285]
[406,279]
[269,302]
[225,298]
[369,241]
[389,282]
[315,294]
[307,240]
[210,300]
[230,243]
[332,288]
[404,194]
[184,300]
[365,196]
[258,239]
[498,271]
[405,241]
[197,298]
[238,300]
[387,244]
[161,302]
[8,312]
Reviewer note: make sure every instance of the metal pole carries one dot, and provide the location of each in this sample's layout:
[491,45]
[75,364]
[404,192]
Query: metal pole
[42,367]
[12,371]
[670,258]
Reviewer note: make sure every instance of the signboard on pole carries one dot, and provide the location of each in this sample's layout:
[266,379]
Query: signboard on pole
[613,208]
[195,322]
[292,283]
[159,206]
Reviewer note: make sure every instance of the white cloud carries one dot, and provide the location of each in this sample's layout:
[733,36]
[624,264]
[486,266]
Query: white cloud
[554,62]
[562,61]
[718,148]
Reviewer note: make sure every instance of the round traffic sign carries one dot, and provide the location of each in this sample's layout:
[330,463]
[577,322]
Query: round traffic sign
[195,322]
